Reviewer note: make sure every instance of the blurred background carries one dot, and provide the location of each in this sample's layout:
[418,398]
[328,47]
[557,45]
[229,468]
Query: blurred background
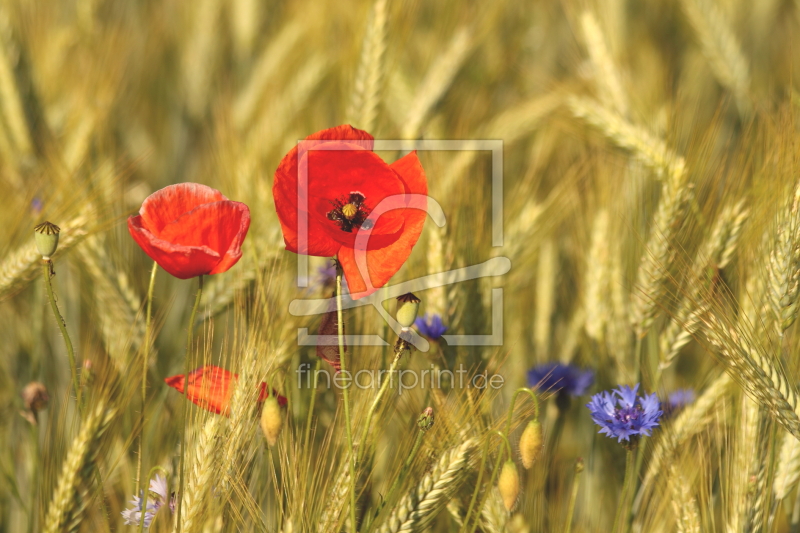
[634,135]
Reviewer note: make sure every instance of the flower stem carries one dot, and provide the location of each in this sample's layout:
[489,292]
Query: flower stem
[573,495]
[622,508]
[145,361]
[146,493]
[403,472]
[368,421]
[492,479]
[346,400]
[511,407]
[46,270]
[186,370]
[311,408]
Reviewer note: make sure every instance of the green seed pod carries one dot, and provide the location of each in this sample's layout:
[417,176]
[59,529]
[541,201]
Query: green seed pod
[407,307]
[508,485]
[425,420]
[530,443]
[271,420]
[46,237]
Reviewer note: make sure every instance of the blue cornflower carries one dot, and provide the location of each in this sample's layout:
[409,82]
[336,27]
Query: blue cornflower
[564,379]
[156,500]
[677,401]
[622,414]
[431,326]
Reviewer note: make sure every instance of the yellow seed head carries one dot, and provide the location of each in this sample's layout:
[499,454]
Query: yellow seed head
[271,420]
[349,211]
[530,444]
[508,485]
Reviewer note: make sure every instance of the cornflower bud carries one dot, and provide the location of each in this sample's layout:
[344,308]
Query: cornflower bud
[508,485]
[425,420]
[271,419]
[530,443]
[46,237]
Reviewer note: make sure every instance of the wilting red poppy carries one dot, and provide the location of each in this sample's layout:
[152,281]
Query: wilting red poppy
[191,230]
[210,388]
[345,182]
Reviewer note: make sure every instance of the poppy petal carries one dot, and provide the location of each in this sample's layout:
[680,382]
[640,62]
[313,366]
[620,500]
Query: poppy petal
[210,388]
[167,204]
[183,262]
[384,260]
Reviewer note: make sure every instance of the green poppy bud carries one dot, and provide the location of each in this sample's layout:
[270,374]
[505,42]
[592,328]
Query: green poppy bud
[530,443]
[271,420]
[407,307]
[46,237]
[425,420]
[508,485]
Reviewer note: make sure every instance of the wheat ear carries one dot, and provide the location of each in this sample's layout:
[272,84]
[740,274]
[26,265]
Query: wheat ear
[71,495]
[369,76]
[201,479]
[715,252]
[433,493]
[788,471]
[784,266]
[756,373]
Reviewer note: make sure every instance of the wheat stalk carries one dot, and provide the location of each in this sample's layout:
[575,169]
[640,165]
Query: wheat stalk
[606,74]
[436,82]
[788,470]
[720,47]
[71,496]
[432,493]
[596,290]
[199,56]
[369,76]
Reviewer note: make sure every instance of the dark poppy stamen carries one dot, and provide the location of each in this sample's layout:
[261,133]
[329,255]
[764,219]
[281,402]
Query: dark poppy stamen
[349,211]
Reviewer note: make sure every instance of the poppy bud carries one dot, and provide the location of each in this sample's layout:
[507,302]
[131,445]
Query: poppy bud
[271,420]
[530,443]
[35,398]
[425,421]
[407,307]
[46,237]
[508,485]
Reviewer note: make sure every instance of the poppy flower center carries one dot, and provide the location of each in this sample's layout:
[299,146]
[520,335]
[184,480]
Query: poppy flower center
[349,211]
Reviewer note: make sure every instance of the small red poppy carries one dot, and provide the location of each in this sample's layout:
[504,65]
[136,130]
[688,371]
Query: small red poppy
[210,388]
[345,181]
[191,229]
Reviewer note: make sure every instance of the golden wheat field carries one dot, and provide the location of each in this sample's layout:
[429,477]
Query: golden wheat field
[576,311]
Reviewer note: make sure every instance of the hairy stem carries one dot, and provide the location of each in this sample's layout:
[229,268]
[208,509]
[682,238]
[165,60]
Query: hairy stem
[186,370]
[368,421]
[346,401]
[622,507]
[46,270]
[145,361]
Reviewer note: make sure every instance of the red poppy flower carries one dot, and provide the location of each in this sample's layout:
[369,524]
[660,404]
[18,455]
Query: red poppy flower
[191,230]
[344,183]
[210,388]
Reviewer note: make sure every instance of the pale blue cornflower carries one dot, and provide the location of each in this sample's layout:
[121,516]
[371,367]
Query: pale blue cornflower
[155,500]
[623,415]
[430,326]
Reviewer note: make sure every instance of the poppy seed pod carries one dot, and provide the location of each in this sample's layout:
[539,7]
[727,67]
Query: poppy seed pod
[425,420]
[407,307]
[530,443]
[46,237]
[508,485]
[271,420]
